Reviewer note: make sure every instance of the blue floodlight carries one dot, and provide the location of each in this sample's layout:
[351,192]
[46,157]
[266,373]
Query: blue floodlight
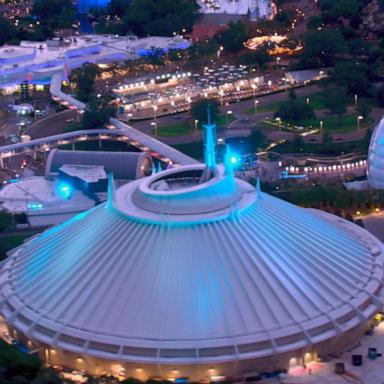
[235,159]
[65,190]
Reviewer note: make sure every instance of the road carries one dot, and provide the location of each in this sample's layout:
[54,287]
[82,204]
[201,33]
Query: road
[51,125]
[236,108]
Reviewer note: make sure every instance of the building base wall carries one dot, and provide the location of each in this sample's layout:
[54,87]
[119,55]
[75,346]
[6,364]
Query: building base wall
[195,372]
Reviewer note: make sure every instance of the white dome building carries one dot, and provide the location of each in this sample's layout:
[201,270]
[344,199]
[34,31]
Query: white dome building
[376,157]
[192,273]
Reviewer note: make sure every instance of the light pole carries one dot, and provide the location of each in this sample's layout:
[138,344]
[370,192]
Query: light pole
[196,122]
[277,62]
[308,100]
[154,124]
[256,102]
[226,116]
[154,112]
[278,119]
[221,93]
[359,118]
[321,127]
[356,101]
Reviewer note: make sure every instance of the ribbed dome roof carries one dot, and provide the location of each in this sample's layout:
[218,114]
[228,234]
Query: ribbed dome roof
[144,278]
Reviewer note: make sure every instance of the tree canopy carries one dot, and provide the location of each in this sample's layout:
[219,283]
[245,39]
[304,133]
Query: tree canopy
[7,31]
[85,77]
[159,17]
[295,111]
[97,113]
[55,13]
[233,38]
[199,110]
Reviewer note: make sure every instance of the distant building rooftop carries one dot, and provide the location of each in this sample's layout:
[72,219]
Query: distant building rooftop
[40,194]
[87,173]
[123,165]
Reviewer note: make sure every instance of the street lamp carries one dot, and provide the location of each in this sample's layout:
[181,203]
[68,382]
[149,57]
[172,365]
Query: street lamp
[256,102]
[129,115]
[308,100]
[277,61]
[226,116]
[221,93]
[154,124]
[321,127]
[196,122]
[278,119]
[154,111]
[355,100]
[359,118]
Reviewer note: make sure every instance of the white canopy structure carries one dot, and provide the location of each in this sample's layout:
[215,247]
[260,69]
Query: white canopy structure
[376,157]
[192,273]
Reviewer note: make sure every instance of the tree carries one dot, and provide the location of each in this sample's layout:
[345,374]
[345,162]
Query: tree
[380,95]
[352,75]
[233,38]
[55,13]
[85,77]
[199,110]
[160,17]
[6,221]
[118,7]
[336,101]
[315,22]
[321,47]
[7,31]
[259,58]
[97,113]
[257,139]
[364,109]
[295,111]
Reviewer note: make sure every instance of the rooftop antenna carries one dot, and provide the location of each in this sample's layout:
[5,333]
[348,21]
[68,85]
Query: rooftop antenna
[258,188]
[111,191]
[210,142]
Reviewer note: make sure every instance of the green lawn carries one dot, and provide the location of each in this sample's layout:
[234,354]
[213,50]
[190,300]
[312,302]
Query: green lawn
[317,100]
[178,129]
[348,123]
[224,119]
[12,241]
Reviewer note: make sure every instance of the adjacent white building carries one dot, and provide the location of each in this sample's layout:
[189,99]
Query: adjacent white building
[37,62]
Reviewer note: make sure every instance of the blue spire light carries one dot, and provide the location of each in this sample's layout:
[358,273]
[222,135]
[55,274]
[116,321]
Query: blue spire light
[210,143]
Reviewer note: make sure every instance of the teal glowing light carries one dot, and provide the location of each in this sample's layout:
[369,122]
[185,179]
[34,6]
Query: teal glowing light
[234,159]
[65,190]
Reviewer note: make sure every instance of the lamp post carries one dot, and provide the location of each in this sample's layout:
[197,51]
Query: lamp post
[359,118]
[154,112]
[308,100]
[226,116]
[356,101]
[278,119]
[256,102]
[321,127]
[196,122]
[221,93]
[277,61]
[154,124]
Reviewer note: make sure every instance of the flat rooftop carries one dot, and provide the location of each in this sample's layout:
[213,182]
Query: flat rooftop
[38,193]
